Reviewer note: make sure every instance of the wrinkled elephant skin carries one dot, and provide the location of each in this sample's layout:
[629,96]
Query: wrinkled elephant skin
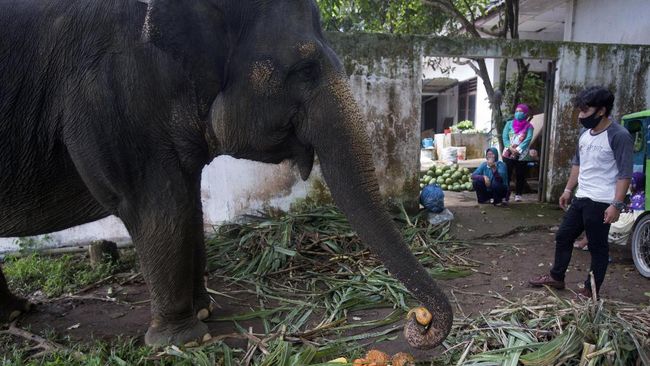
[114,108]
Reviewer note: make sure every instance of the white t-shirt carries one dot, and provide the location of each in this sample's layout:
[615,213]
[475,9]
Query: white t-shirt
[603,158]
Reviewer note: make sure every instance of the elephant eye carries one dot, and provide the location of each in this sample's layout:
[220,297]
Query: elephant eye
[308,71]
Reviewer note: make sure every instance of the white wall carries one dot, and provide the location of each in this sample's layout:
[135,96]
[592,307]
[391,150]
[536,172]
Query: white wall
[607,21]
[462,73]
[229,188]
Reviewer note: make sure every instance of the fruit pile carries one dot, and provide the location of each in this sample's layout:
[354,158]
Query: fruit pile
[449,178]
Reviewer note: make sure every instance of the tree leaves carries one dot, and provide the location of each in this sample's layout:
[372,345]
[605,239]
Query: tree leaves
[396,16]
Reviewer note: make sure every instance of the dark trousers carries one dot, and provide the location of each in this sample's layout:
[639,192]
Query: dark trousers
[497,191]
[519,168]
[583,214]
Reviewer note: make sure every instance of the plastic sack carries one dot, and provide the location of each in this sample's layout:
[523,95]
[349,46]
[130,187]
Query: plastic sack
[439,218]
[450,154]
[461,152]
[620,230]
[432,198]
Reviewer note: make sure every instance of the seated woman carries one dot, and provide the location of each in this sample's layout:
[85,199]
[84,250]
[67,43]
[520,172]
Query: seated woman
[490,179]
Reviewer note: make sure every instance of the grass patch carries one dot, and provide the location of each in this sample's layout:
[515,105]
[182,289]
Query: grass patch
[57,275]
[126,352]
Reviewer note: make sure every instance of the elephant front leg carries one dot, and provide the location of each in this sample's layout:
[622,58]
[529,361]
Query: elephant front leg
[11,306]
[166,238]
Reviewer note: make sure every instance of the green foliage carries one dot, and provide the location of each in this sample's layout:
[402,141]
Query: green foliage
[399,16]
[465,125]
[532,94]
[29,244]
[395,16]
[52,275]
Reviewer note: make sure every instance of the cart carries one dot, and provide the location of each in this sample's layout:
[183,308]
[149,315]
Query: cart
[638,125]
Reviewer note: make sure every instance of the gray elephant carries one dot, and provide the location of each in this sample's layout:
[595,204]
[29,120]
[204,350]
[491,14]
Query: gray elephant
[114,107]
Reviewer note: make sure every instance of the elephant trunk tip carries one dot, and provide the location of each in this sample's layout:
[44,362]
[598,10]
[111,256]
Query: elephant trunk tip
[423,331]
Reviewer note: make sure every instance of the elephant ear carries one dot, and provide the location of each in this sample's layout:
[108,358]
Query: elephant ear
[194,33]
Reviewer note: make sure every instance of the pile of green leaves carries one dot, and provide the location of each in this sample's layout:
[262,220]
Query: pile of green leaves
[309,273]
[548,330]
[311,262]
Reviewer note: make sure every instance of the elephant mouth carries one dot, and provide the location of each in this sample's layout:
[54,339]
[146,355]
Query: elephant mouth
[291,149]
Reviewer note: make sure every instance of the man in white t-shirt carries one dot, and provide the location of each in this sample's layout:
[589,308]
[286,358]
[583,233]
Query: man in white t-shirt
[602,169]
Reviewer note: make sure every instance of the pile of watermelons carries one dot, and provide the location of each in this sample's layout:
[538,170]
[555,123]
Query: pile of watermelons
[449,178]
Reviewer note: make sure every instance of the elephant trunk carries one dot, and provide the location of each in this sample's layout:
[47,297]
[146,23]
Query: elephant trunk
[336,131]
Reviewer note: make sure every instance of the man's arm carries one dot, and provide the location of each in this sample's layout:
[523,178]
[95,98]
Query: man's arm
[573,178]
[565,198]
[622,186]
[623,149]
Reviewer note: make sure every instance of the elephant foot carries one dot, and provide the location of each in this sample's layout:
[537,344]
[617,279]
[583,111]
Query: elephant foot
[203,305]
[12,308]
[189,333]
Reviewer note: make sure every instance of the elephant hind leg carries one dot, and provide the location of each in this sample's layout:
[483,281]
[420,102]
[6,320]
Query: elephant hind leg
[11,306]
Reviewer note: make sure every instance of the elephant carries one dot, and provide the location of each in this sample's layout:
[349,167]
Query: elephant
[114,107]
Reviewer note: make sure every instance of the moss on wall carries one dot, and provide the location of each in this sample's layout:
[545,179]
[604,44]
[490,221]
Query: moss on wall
[623,68]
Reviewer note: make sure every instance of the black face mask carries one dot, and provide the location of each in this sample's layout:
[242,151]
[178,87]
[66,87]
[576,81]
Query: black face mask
[591,121]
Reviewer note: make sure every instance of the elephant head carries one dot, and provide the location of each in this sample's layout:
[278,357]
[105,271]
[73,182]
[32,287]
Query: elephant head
[278,91]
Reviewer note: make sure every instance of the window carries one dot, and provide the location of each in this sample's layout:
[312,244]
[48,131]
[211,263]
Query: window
[467,100]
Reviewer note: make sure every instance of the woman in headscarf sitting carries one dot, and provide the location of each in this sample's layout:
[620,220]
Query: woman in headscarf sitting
[490,179]
[517,135]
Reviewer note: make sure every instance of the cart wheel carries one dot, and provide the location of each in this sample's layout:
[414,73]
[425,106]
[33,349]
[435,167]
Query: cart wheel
[641,246]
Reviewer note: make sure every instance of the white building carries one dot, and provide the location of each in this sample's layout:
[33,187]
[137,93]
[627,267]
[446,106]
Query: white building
[589,21]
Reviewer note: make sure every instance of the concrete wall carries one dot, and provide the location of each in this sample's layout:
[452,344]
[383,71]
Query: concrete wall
[386,83]
[623,69]
[606,21]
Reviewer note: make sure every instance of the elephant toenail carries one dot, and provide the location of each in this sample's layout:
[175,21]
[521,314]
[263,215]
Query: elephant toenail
[203,314]
[207,337]
[191,344]
[14,314]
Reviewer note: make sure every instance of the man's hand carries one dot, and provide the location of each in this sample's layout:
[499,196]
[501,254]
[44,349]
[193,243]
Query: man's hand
[565,199]
[486,179]
[611,215]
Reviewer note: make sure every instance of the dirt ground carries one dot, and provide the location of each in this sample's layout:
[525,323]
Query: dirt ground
[512,243]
